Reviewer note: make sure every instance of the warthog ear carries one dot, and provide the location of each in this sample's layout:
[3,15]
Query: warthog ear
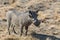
[30,14]
[29,11]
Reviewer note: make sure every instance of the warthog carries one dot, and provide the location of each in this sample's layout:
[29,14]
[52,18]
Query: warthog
[19,18]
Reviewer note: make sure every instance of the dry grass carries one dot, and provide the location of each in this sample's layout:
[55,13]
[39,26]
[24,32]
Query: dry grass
[12,37]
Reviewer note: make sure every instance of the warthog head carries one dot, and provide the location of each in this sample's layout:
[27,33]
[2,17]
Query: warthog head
[33,14]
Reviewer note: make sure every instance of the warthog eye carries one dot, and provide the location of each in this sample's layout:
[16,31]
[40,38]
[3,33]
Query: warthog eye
[30,15]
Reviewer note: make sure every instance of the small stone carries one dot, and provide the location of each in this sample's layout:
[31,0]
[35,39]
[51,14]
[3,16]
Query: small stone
[55,33]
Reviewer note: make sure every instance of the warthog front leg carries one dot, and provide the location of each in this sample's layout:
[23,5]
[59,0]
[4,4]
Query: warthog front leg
[26,28]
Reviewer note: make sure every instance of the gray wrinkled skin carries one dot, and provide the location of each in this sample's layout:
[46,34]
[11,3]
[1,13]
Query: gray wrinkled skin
[21,19]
